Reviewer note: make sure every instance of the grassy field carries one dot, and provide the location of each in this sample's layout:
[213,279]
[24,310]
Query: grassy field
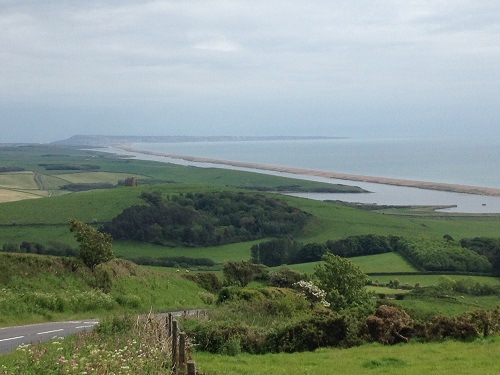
[38,159]
[18,180]
[450,357]
[9,195]
[97,177]
[330,221]
[38,288]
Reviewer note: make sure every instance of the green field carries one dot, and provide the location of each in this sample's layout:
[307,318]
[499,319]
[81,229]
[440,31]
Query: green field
[450,357]
[18,180]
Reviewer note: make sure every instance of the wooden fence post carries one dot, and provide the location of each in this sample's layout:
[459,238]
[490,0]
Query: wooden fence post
[174,345]
[182,353]
[169,325]
[191,366]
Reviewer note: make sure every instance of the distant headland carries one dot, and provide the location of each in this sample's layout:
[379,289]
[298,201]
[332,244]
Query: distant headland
[113,140]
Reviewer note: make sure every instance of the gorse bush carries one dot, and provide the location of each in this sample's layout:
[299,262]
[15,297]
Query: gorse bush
[320,330]
[388,325]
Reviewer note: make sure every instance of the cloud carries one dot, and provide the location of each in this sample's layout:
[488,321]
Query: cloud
[218,45]
[226,56]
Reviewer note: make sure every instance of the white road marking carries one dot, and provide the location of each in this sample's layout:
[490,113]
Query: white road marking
[55,330]
[12,338]
[84,326]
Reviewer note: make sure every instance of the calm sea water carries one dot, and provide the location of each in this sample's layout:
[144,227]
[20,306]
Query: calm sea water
[458,161]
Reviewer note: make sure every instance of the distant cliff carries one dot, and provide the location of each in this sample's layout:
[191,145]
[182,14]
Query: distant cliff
[109,140]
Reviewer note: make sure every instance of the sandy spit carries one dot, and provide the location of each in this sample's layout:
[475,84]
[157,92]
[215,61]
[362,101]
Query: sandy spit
[339,176]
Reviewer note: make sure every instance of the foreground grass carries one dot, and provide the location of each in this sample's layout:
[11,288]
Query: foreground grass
[449,357]
[120,345]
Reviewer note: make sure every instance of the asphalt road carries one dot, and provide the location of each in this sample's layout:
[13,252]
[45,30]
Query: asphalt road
[12,337]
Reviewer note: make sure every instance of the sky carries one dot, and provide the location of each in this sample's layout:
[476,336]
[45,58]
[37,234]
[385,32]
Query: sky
[249,67]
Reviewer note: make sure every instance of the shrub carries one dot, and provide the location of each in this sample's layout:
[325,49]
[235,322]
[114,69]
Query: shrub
[103,279]
[320,330]
[207,280]
[442,327]
[207,298]
[284,277]
[215,336]
[232,293]
[232,346]
[388,325]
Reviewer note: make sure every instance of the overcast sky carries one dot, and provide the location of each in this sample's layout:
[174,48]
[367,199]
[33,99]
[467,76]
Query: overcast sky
[256,67]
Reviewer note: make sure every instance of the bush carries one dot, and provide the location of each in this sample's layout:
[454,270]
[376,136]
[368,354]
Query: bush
[225,337]
[232,293]
[207,280]
[232,346]
[388,325]
[284,277]
[103,279]
[443,327]
[320,330]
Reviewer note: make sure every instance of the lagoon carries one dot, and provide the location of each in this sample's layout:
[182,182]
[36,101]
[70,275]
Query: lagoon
[457,161]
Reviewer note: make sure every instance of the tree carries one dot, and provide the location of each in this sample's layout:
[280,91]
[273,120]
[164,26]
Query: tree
[240,273]
[343,282]
[95,246]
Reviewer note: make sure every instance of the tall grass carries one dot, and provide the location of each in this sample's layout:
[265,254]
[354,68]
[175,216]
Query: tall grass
[119,345]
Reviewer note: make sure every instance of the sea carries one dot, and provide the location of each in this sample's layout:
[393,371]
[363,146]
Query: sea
[474,162]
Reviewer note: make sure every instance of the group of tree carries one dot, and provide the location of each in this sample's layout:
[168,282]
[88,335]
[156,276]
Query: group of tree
[280,251]
[206,219]
[286,251]
[86,187]
[478,255]
[432,254]
[55,248]
[70,167]
[489,247]
[178,261]
[368,244]
[11,169]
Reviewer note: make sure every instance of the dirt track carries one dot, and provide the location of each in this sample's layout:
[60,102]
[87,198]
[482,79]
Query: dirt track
[340,176]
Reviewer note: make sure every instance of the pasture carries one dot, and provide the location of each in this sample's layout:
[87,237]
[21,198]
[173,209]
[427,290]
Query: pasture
[446,358]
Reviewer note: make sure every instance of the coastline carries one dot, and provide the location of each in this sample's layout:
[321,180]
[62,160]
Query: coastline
[455,188]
